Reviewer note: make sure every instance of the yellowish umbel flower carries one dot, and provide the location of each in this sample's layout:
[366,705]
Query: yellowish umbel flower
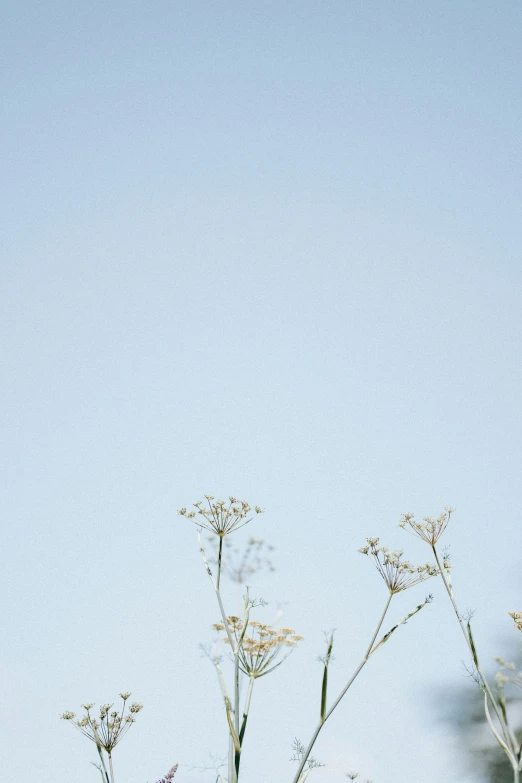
[517,618]
[398,574]
[260,645]
[430,530]
[219,516]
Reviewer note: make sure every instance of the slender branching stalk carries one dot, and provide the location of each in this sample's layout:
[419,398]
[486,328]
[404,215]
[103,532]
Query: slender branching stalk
[100,768]
[430,531]
[466,630]
[255,656]
[100,753]
[372,648]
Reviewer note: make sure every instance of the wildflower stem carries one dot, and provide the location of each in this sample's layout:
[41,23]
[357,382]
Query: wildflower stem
[216,588]
[324,689]
[220,553]
[111,769]
[368,651]
[234,740]
[321,723]
[237,754]
[236,659]
[496,735]
[246,709]
[473,652]
[99,748]
[230,758]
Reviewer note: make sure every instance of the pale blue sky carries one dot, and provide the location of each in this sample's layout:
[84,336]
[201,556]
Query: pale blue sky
[272,250]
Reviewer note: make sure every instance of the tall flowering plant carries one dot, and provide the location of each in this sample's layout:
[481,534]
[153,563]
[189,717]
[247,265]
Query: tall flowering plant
[256,649]
[430,531]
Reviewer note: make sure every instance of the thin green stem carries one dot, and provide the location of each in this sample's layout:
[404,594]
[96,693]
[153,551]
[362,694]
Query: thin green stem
[230,758]
[246,709]
[220,553]
[100,752]
[473,652]
[231,745]
[216,588]
[321,723]
[237,648]
[368,651]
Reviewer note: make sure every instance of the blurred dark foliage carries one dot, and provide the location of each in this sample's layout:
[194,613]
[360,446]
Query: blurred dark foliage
[463,710]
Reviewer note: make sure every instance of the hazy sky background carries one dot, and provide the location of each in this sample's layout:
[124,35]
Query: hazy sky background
[269,249]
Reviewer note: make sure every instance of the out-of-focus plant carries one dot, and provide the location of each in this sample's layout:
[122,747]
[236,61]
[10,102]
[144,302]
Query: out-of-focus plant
[463,709]
[241,564]
[257,649]
[494,703]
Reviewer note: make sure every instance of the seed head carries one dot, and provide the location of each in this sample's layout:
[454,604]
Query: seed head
[220,517]
[110,728]
[430,530]
[260,645]
[397,573]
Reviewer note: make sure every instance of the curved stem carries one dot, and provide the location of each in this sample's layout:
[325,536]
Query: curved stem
[464,630]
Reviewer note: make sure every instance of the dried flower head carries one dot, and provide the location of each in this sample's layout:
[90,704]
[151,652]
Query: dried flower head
[260,645]
[111,727]
[507,673]
[220,517]
[517,618]
[397,573]
[430,530]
